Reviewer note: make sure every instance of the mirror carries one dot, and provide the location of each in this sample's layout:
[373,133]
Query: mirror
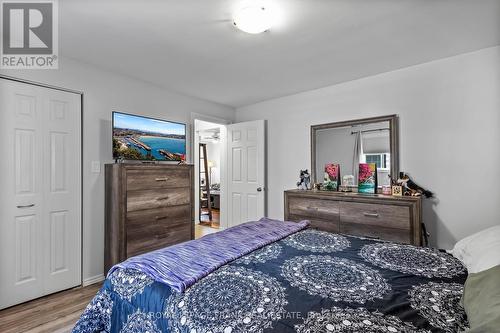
[348,143]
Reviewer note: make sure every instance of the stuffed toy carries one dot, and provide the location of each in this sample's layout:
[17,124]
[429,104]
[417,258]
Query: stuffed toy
[305,180]
[410,188]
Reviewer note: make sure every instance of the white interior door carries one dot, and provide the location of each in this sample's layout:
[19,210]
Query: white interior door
[40,193]
[246,171]
[62,190]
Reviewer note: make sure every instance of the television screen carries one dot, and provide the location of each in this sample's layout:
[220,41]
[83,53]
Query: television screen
[142,138]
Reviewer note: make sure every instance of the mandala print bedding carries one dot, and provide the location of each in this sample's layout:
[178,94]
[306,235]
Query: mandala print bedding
[311,281]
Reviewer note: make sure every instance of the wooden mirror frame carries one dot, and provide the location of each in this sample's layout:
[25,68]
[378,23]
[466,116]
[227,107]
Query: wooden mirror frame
[393,139]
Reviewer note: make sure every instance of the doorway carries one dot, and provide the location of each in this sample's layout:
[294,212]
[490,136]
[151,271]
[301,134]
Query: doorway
[209,147]
[235,173]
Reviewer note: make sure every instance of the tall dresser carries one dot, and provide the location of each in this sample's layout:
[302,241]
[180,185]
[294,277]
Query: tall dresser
[384,217]
[148,207]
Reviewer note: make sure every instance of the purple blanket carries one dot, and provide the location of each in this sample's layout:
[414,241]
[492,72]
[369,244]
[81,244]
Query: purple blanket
[182,265]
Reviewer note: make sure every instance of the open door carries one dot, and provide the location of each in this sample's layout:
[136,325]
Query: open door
[246,171]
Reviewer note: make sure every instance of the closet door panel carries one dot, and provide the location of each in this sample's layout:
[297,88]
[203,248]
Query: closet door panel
[62,190]
[21,198]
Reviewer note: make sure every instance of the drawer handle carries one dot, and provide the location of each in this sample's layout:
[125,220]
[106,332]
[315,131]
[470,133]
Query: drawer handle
[161,179]
[370,214]
[158,218]
[162,198]
[165,235]
[318,210]
[26,206]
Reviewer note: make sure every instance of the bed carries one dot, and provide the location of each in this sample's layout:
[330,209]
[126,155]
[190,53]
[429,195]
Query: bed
[289,279]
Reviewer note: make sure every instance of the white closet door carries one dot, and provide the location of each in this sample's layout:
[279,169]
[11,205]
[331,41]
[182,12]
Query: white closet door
[62,192]
[40,191]
[21,193]
[246,171]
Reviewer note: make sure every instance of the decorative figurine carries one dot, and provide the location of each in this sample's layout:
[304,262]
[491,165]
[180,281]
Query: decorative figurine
[305,180]
[347,183]
[410,188]
[348,180]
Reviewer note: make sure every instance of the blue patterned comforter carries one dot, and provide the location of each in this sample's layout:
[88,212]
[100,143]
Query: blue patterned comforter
[310,281]
[182,265]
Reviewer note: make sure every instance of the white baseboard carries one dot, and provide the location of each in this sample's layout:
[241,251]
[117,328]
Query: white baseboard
[93,279]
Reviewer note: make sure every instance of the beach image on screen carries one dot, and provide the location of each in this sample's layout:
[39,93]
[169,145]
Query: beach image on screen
[141,138]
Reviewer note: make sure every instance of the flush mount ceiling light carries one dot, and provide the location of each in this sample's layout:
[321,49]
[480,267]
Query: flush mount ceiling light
[253,19]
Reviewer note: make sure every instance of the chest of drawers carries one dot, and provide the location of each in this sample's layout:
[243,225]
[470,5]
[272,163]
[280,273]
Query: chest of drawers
[376,216]
[148,207]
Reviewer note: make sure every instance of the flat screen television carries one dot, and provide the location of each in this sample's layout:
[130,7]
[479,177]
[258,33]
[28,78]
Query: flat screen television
[147,139]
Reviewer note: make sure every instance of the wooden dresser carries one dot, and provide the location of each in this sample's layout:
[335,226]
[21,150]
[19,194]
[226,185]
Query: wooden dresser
[148,207]
[377,216]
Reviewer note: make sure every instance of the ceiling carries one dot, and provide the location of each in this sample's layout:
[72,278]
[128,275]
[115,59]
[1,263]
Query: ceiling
[191,47]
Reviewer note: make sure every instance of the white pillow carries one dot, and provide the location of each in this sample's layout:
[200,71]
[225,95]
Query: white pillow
[480,251]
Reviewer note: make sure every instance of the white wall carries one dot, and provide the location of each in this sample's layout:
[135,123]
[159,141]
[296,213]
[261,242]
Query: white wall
[214,154]
[105,92]
[450,133]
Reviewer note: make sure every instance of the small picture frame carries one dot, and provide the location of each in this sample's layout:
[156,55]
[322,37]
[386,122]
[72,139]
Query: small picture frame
[397,191]
[331,179]
[367,178]
[386,190]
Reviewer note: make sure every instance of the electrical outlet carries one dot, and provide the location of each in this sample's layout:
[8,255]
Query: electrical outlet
[96,167]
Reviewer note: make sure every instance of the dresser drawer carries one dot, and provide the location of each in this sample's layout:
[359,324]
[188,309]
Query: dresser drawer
[314,208]
[157,198]
[375,216]
[331,226]
[377,232]
[161,178]
[389,216]
[156,237]
[163,215]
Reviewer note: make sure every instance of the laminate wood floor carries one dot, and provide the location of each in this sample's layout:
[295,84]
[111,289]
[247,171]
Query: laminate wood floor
[202,230]
[215,223]
[56,313]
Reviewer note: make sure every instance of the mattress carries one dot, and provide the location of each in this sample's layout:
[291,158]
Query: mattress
[308,281]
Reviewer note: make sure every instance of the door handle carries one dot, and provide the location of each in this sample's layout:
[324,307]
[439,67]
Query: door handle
[26,206]
[259,189]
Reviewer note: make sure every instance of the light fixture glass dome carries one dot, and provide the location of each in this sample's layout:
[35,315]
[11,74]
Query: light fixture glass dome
[253,19]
